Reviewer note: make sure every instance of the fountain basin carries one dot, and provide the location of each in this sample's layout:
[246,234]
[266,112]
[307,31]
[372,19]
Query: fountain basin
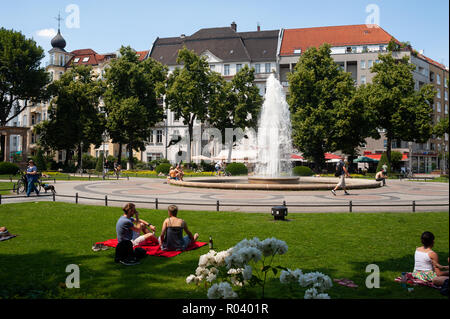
[273,180]
[306,184]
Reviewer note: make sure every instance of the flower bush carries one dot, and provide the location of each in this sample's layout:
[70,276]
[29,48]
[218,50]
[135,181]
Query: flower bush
[248,264]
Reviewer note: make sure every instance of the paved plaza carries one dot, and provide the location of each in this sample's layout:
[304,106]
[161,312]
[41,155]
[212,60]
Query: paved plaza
[145,191]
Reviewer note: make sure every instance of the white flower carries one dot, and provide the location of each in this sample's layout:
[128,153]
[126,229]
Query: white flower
[190,279]
[221,290]
[207,259]
[211,277]
[219,258]
[318,280]
[272,246]
[310,293]
[247,273]
[290,276]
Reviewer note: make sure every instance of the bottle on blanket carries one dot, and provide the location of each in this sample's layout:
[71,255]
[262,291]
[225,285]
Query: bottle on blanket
[403,280]
[210,242]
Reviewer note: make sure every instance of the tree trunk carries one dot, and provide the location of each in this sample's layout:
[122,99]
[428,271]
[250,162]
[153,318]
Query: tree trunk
[80,154]
[388,151]
[119,155]
[191,138]
[130,156]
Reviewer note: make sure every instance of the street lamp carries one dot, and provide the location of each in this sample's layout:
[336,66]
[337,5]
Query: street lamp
[410,157]
[103,161]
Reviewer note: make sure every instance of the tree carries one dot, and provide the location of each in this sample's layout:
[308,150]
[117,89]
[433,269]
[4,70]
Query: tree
[189,90]
[326,112]
[234,104]
[399,109]
[132,100]
[21,77]
[74,121]
[441,128]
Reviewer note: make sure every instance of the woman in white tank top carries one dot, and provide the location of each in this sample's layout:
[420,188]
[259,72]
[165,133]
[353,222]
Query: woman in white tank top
[426,262]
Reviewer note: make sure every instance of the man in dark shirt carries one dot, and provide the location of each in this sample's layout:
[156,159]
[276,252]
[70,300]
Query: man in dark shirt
[128,231]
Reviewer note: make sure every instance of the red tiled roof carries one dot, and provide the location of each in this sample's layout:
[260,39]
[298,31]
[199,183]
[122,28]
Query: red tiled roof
[429,60]
[335,35]
[142,54]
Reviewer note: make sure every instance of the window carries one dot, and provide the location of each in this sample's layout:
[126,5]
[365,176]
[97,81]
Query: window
[226,69]
[445,109]
[61,60]
[384,143]
[438,104]
[258,68]
[151,138]
[297,51]
[86,59]
[52,58]
[363,79]
[348,50]
[363,64]
[267,67]
[445,82]
[381,47]
[445,95]
[365,48]
[238,67]
[438,79]
[76,60]
[159,136]
[370,63]
[212,67]
[438,94]
[33,119]
[153,156]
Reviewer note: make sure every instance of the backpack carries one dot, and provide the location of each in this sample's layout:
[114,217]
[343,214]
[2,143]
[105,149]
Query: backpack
[338,169]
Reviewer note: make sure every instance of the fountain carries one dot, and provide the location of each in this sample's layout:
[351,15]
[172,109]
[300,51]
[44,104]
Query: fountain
[273,170]
[273,163]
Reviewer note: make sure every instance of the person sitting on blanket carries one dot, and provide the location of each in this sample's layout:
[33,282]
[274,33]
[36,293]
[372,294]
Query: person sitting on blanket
[129,233]
[425,260]
[172,232]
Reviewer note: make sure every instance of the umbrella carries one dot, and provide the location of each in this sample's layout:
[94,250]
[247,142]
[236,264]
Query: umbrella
[333,160]
[365,159]
[201,158]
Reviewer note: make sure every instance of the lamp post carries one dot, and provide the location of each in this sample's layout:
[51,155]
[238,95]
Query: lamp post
[103,161]
[410,157]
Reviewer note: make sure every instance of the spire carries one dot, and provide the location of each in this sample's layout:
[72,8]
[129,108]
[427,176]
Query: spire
[58,41]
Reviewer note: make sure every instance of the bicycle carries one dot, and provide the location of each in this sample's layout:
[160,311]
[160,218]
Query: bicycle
[22,183]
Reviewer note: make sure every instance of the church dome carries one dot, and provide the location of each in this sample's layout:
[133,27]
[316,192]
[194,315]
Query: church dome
[58,41]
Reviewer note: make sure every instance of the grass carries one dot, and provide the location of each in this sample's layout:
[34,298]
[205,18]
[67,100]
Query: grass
[6,188]
[54,235]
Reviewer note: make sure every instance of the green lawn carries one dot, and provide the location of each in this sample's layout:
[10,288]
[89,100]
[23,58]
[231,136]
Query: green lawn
[6,188]
[54,235]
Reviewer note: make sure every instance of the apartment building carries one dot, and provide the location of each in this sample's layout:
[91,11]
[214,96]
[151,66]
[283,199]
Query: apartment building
[227,51]
[355,48]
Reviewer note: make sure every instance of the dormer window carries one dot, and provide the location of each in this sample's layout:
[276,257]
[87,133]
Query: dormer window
[86,59]
[76,60]
[297,51]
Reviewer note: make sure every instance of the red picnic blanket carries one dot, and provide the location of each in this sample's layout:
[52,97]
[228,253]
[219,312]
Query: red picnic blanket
[152,247]
[416,282]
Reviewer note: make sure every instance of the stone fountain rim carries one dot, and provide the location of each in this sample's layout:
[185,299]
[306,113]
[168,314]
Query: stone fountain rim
[319,183]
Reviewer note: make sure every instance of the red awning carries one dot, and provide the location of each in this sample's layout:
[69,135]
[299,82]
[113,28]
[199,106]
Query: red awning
[329,156]
[378,156]
[295,156]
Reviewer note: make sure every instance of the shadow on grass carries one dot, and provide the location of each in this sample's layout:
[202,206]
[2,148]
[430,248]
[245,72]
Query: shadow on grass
[42,275]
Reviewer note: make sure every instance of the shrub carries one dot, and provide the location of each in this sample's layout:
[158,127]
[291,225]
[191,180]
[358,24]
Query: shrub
[302,171]
[163,168]
[99,166]
[9,168]
[237,169]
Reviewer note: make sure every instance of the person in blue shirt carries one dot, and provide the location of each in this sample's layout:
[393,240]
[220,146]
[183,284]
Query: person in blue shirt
[32,177]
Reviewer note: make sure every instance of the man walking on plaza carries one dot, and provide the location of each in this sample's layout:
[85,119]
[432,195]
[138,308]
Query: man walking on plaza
[342,173]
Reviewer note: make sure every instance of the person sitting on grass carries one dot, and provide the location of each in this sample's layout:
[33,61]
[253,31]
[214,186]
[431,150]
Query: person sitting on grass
[172,232]
[129,234]
[381,176]
[425,260]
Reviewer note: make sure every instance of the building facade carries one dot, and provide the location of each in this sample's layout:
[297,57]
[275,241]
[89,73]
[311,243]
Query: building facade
[355,48]
[227,51]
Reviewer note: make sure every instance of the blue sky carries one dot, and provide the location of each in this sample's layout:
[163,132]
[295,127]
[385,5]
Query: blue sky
[106,25]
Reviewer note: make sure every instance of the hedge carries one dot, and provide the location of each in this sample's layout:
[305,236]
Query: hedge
[9,168]
[302,171]
[163,168]
[237,169]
